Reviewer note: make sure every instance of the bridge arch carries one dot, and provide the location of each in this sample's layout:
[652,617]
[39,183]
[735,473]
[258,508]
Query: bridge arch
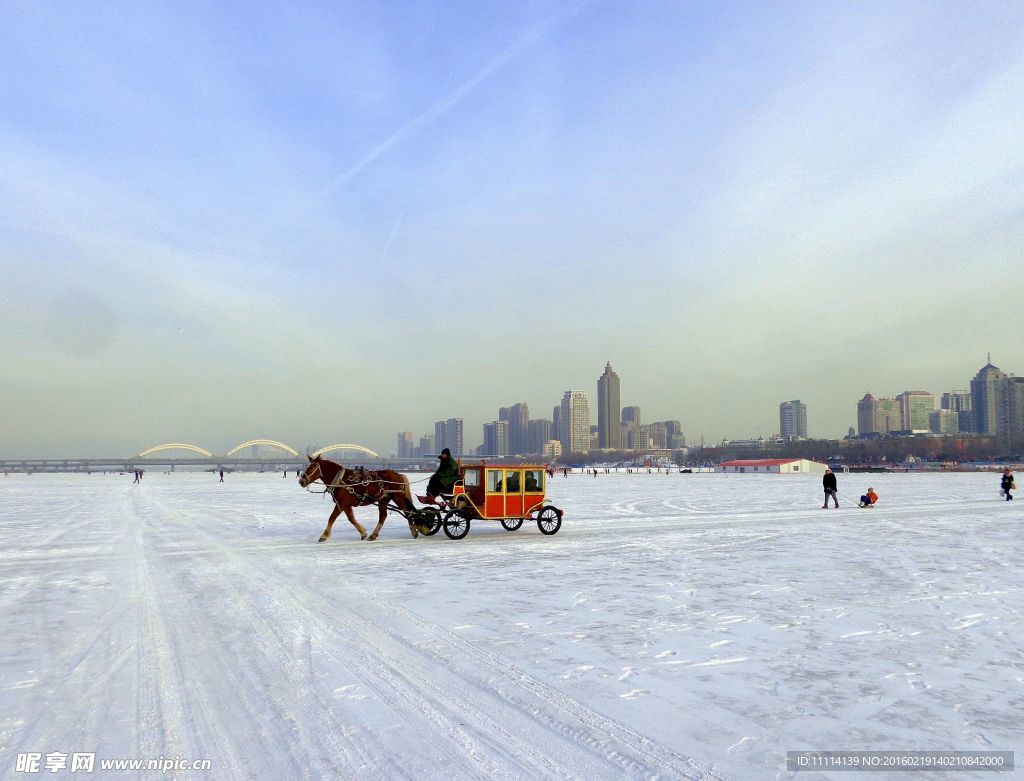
[360,448]
[175,446]
[267,442]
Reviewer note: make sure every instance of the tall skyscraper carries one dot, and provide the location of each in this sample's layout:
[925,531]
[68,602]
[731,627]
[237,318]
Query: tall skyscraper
[659,435]
[959,401]
[448,434]
[915,409]
[631,416]
[676,438]
[518,428]
[574,422]
[405,445]
[496,438]
[878,416]
[539,434]
[608,410]
[866,415]
[985,391]
[1010,419]
[944,421]
[793,420]
[428,446]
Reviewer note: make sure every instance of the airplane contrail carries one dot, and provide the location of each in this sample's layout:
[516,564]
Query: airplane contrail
[445,104]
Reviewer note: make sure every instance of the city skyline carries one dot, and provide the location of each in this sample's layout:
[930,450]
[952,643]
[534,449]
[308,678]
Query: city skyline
[338,223]
[873,414]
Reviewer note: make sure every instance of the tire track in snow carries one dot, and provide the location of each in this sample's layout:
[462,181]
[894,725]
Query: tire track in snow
[406,681]
[612,731]
[332,738]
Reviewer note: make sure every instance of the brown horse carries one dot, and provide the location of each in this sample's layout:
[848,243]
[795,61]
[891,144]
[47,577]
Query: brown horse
[358,487]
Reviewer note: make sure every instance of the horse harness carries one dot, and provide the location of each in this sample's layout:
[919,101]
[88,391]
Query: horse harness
[356,482]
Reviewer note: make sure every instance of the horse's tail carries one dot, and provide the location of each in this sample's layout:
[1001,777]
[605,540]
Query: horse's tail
[407,492]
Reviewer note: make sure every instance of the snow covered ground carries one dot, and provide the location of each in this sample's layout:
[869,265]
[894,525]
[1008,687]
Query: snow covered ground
[678,626]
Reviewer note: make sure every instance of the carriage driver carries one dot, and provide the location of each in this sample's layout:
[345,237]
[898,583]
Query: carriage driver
[443,480]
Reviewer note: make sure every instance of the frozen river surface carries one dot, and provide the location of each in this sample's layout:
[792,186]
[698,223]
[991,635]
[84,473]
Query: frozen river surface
[678,626]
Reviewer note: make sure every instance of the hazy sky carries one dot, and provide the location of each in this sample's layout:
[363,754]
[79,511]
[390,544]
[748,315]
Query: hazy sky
[332,222]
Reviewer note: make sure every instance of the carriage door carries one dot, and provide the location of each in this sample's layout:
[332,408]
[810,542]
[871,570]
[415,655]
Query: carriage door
[513,493]
[533,490]
[495,507]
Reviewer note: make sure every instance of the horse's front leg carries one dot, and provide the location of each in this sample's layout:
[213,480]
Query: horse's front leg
[330,523]
[380,522]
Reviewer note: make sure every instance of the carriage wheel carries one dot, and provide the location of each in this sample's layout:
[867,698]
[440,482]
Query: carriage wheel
[511,524]
[429,521]
[549,520]
[455,526]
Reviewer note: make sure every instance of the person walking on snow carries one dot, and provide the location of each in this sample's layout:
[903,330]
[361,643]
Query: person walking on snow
[828,481]
[1007,483]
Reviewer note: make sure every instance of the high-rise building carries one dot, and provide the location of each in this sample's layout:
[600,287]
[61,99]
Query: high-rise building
[448,434]
[676,439]
[959,401]
[631,415]
[574,422]
[793,420]
[404,444]
[985,389]
[428,446]
[552,449]
[640,438]
[518,428]
[878,416]
[539,434]
[866,415]
[659,435]
[915,409]
[944,421]
[608,410]
[495,438]
[1010,420]
[630,428]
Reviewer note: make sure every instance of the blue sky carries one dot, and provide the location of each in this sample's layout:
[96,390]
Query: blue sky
[324,222]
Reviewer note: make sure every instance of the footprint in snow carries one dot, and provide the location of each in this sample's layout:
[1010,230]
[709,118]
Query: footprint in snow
[577,672]
[350,692]
[632,695]
[744,744]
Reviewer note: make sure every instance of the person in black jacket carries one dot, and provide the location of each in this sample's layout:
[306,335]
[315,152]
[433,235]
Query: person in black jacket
[1007,483]
[828,481]
[442,481]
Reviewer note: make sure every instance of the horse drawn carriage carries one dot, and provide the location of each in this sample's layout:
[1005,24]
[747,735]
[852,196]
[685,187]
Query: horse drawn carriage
[508,493]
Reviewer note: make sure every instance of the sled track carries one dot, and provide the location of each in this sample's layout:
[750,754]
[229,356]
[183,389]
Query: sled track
[613,731]
[336,737]
[404,674]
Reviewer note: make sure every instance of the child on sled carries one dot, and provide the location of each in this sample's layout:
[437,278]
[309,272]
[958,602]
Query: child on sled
[868,499]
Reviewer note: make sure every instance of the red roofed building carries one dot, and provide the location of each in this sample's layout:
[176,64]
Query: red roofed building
[785,466]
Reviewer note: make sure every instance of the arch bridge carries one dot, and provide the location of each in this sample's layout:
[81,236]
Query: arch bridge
[233,452]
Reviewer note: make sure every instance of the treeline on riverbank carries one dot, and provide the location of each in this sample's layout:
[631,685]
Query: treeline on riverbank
[880,451]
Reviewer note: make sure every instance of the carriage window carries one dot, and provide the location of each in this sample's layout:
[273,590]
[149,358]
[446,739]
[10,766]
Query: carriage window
[534,480]
[471,479]
[512,482]
[494,482]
